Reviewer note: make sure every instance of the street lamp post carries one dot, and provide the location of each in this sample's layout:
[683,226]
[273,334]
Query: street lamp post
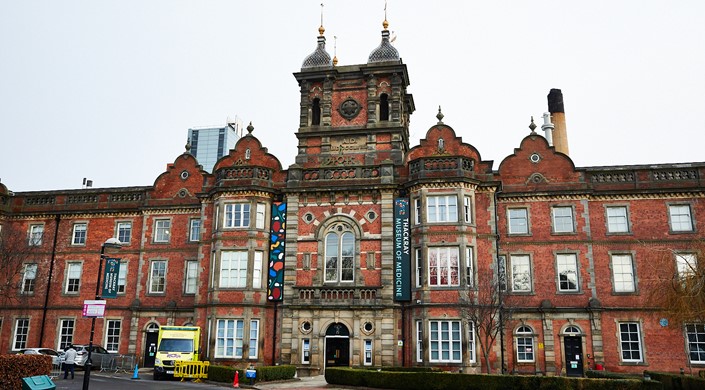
[109,243]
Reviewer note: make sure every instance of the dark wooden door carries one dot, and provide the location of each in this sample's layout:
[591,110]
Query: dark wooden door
[150,349]
[573,356]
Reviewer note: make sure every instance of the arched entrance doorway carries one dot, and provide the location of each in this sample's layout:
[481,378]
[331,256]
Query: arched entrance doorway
[150,344]
[573,347]
[337,345]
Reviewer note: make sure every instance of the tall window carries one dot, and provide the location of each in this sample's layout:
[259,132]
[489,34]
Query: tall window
[73,278]
[237,215]
[680,218]
[254,337]
[36,233]
[340,253]
[306,351]
[191,277]
[384,107]
[122,277]
[442,208]
[623,274]
[257,270]
[445,341]
[233,269]
[467,209]
[112,335]
[419,266]
[443,263]
[563,219]
[630,341]
[194,230]
[525,344]
[695,334]
[469,261]
[66,328]
[567,267]
[21,334]
[417,211]
[79,234]
[162,230]
[157,277]
[124,232]
[419,341]
[518,221]
[29,277]
[686,264]
[368,352]
[471,342]
[521,273]
[228,340]
[617,221]
[316,112]
[259,217]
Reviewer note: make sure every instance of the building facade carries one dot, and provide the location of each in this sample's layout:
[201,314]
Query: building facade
[369,251]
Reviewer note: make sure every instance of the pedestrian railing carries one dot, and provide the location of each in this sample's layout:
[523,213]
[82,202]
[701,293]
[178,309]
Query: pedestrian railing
[55,371]
[118,363]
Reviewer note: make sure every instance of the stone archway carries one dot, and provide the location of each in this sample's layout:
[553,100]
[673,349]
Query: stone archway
[337,345]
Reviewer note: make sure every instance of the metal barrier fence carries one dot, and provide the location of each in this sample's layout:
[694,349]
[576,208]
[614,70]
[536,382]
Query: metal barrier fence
[55,371]
[192,370]
[118,363]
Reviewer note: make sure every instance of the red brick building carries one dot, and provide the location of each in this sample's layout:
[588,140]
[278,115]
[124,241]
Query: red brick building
[369,251]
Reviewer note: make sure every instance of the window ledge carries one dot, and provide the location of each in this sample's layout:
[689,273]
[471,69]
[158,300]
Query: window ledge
[633,364]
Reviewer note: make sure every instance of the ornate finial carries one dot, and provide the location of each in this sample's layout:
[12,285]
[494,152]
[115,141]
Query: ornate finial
[532,126]
[335,50]
[385,24]
[321,30]
[188,145]
[250,128]
[440,116]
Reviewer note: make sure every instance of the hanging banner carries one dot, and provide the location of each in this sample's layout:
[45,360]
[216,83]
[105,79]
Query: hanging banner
[110,278]
[277,235]
[402,251]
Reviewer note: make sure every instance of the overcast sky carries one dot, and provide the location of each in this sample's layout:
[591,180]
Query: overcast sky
[106,89]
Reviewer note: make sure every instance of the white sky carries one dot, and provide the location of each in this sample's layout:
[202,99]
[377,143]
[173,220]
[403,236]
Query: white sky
[106,89]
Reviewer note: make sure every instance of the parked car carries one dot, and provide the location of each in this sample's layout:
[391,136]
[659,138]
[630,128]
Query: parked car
[99,356]
[57,357]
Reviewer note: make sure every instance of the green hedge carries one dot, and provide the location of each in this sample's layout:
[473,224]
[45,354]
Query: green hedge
[226,374]
[15,367]
[612,375]
[439,381]
[677,381]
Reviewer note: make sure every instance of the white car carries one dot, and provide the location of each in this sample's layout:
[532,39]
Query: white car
[57,358]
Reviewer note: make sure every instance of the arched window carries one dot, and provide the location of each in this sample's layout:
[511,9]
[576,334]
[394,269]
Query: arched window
[383,107]
[572,330]
[152,327]
[525,344]
[340,253]
[316,112]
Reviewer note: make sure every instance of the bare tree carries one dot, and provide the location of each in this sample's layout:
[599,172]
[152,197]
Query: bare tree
[483,308]
[15,263]
[677,285]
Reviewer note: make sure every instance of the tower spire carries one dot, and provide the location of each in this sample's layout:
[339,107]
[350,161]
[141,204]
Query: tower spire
[321,29]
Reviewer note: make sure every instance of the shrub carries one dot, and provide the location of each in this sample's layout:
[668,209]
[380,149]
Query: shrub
[15,367]
[678,382]
[226,374]
[438,381]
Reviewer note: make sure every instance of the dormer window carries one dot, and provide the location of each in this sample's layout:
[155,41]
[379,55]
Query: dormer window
[316,112]
[383,107]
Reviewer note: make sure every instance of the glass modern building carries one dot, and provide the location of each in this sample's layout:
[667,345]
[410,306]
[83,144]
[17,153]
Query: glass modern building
[209,143]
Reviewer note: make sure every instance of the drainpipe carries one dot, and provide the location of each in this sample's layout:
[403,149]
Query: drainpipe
[499,279]
[51,272]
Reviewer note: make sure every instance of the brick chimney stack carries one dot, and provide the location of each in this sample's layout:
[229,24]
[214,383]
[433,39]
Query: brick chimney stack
[555,107]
